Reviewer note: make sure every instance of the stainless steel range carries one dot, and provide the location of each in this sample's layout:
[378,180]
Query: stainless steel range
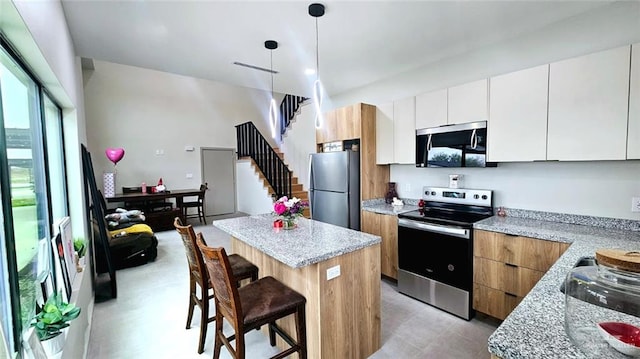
[435,247]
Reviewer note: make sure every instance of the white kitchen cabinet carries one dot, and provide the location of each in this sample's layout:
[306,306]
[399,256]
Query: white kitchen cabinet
[384,131]
[431,109]
[633,138]
[404,131]
[395,132]
[517,127]
[588,104]
[468,102]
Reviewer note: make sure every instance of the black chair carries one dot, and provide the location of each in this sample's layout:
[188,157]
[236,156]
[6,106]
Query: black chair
[198,204]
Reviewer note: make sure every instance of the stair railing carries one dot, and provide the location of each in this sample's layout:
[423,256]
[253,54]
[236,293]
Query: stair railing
[288,108]
[252,144]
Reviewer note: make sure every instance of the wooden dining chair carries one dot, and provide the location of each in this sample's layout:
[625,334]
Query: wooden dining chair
[249,307]
[198,277]
[198,204]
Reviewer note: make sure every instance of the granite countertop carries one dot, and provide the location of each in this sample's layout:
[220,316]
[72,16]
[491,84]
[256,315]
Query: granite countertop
[535,329]
[379,206]
[310,243]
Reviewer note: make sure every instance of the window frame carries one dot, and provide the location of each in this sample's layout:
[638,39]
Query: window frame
[16,327]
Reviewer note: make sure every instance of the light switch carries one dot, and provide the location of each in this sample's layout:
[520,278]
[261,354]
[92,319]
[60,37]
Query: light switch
[189,175]
[189,148]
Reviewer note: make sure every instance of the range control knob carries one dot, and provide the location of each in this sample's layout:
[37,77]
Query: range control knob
[426,193]
[484,196]
[475,196]
[433,193]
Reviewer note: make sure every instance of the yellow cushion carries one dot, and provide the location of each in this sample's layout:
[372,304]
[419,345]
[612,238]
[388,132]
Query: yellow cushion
[136,228]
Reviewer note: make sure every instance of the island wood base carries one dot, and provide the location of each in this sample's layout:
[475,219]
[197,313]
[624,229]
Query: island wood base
[342,314]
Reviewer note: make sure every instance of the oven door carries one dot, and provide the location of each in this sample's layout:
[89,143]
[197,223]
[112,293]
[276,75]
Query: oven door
[440,253]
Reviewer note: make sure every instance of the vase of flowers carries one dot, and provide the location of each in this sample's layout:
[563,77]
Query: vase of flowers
[289,210]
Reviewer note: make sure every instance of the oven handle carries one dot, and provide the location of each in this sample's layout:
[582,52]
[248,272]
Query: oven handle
[456,232]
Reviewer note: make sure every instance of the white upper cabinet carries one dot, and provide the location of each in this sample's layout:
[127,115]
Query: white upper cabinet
[468,102]
[633,146]
[384,133]
[395,132]
[588,104]
[404,131]
[431,109]
[517,127]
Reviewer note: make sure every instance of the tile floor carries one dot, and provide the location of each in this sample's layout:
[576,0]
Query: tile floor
[147,319]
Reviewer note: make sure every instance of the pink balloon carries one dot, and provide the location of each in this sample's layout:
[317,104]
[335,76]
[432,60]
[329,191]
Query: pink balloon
[114,154]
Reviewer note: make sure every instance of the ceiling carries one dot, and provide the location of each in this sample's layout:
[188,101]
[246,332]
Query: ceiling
[360,42]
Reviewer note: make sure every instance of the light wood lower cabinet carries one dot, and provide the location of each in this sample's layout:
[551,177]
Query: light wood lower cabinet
[385,226]
[506,267]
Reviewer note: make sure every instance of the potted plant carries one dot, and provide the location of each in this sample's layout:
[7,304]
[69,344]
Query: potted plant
[80,247]
[49,321]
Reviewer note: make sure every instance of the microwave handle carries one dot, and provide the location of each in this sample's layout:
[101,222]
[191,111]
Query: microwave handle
[429,145]
[474,139]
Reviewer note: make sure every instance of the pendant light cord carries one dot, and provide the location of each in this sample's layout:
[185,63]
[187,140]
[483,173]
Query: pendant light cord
[317,52]
[271,73]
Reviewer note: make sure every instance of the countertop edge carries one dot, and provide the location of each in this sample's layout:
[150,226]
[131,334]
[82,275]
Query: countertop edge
[534,328]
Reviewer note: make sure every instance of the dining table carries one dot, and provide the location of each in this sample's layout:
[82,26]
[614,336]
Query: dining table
[161,220]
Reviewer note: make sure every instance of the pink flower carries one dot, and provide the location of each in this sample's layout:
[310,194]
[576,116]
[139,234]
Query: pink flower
[289,207]
[279,208]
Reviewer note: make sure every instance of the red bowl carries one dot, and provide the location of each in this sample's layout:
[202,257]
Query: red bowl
[623,337]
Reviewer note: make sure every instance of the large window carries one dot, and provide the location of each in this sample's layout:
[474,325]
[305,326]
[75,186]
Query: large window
[55,159]
[27,224]
[6,330]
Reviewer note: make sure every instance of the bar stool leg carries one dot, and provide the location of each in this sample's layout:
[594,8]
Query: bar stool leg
[192,304]
[301,331]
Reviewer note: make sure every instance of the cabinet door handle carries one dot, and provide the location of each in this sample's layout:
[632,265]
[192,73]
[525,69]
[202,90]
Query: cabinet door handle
[510,294]
[510,235]
[511,265]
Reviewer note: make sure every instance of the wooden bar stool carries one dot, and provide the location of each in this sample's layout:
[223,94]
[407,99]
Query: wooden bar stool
[258,303]
[198,276]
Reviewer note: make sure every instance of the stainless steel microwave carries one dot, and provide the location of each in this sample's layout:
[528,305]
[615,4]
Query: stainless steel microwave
[463,145]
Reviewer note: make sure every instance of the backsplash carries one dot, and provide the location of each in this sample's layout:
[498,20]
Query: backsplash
[598,188]
[604,222]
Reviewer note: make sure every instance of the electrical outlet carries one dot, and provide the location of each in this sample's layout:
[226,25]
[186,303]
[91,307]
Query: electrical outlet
[635,204]
[333,272]
[189,175]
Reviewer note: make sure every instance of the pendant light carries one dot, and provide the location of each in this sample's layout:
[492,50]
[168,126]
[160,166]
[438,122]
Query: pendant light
[317,10]
[273,109]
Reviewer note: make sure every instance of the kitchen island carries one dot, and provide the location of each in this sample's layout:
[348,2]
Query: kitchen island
[335,268]
[535,329]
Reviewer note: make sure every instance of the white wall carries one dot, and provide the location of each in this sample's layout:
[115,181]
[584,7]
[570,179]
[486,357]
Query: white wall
[299,142]
[589,188]
[144,111]
[602,188]
[253,197]
[603,28]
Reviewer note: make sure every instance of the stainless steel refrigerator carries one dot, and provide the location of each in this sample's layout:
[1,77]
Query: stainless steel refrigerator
[335,188]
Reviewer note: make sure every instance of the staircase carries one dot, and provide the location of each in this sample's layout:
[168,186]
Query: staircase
[288,109]
[296,188]
[268,163]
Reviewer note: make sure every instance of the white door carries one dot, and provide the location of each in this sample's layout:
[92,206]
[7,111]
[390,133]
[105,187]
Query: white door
[218,171]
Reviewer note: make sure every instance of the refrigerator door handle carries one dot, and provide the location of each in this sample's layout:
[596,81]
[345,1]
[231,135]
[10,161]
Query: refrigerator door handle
[310,169]
[310,185]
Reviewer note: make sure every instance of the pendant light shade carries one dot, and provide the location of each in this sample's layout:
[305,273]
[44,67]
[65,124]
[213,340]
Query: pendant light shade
[317,10]
[273,108]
